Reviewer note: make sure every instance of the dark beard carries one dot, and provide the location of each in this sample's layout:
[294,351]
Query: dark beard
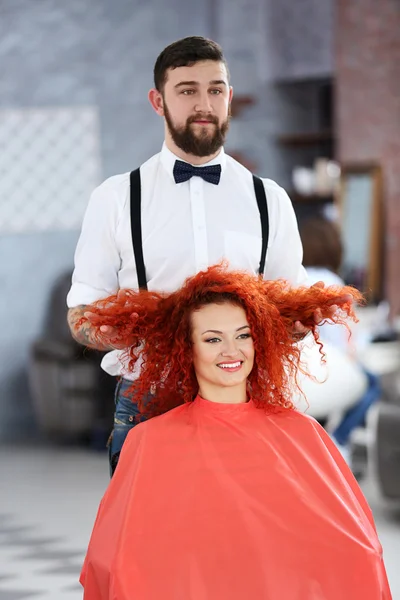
[197,145]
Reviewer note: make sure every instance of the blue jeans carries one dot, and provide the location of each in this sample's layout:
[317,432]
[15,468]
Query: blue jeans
[356,415]
[125,417]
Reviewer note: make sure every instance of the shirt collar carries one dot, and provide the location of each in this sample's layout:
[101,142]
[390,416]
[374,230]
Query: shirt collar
[168,159]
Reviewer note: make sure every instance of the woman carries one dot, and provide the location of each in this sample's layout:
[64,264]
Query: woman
[232,494]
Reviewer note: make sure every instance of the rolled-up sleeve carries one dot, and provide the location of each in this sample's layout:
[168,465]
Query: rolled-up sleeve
[97,258]
[285,251]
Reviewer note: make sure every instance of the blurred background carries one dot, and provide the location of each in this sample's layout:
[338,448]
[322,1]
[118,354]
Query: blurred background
[316,108]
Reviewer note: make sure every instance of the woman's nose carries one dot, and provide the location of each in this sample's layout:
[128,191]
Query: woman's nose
[229,349]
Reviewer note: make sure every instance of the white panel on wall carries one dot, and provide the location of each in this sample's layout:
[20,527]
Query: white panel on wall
[300,37]
[241,32]
[49,165]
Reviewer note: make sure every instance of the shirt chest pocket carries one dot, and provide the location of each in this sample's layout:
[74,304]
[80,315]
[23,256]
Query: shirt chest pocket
[242,250]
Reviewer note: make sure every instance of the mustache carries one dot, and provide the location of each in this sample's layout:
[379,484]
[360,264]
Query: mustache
[201,117]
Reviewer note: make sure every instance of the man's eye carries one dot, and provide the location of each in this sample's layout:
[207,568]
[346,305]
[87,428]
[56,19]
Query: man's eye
[187,92]
[216,92]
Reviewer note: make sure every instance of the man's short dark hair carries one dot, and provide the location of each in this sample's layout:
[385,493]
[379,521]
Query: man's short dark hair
[185,53]
[322,243]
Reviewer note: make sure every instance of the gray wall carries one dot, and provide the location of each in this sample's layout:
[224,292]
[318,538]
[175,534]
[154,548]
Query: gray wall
[101,53]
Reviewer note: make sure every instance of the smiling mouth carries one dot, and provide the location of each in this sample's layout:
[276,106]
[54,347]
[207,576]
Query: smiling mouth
[235,366]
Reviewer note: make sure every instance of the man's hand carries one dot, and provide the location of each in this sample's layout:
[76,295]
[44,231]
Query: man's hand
[92,332]
[105,333]
[300,331]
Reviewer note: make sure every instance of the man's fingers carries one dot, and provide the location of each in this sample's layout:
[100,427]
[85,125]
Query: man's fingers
[89,315]
[94,319]
[299,328]
[319,284]
[299,331]
[339,300]
[318,316]
[335,305]
[106,329]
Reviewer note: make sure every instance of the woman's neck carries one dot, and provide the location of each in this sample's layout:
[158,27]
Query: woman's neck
[224,395]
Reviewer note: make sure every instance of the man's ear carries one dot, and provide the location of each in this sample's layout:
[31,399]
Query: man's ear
[230,101]
[156,101]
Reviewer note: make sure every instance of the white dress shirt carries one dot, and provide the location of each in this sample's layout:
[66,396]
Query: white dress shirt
[186,227]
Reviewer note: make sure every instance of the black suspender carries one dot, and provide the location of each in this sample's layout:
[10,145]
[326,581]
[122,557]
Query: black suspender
[136,228]
[136,224]
[263,208]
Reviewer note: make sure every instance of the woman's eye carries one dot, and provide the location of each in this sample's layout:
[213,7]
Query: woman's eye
[244,336]
[212,340]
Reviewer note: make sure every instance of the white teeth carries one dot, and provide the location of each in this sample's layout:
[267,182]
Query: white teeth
[230,366]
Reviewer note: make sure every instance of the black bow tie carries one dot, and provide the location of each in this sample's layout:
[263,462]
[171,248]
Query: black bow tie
[183,172]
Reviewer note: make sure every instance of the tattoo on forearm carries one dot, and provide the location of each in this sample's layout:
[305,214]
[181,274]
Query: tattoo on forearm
[84,332]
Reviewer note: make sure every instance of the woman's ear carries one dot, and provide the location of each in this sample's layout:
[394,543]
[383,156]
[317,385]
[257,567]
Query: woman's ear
[156,101]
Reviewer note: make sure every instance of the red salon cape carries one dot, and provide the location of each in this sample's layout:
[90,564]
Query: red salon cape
[225,502]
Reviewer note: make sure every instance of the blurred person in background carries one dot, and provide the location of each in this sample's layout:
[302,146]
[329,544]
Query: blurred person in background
[189,206]
[350,389]
[230,492]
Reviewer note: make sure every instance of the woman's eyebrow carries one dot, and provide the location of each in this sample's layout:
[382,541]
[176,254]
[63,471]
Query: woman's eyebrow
[221,332]
[212,331]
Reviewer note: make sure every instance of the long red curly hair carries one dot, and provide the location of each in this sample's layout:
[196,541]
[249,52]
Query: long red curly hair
[157,327]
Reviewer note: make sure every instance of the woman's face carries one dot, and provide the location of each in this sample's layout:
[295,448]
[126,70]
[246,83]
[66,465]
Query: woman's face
[223,350]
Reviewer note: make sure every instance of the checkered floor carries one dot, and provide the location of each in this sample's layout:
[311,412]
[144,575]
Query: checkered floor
[34,565]
[48,503]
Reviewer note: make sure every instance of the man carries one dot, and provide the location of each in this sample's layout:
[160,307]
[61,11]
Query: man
[189,219]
